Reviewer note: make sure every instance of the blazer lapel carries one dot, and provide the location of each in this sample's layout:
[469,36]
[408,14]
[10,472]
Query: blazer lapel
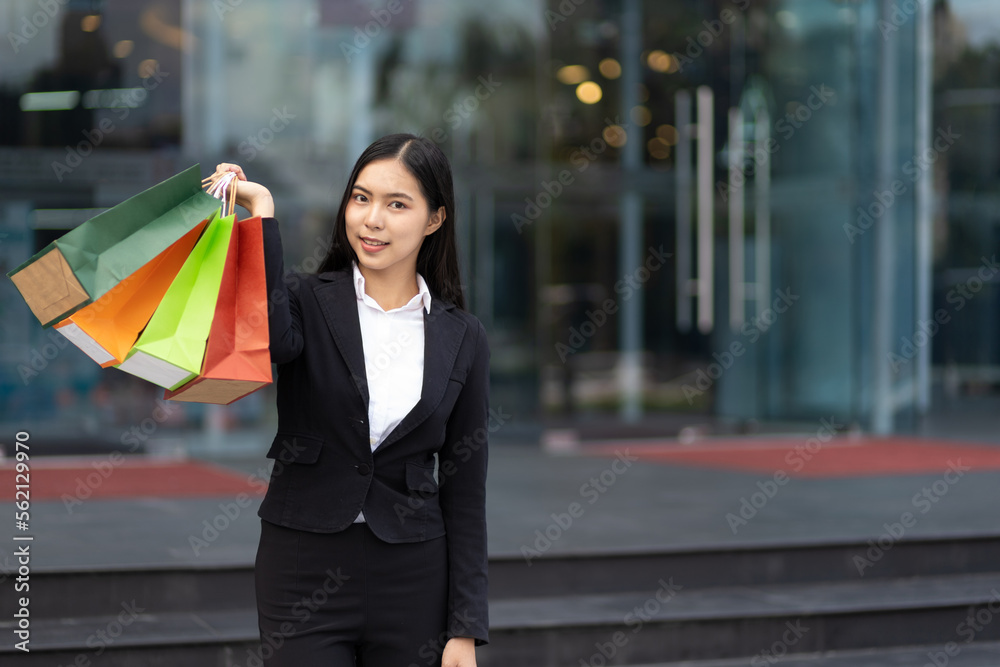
[338,301]
[443,335]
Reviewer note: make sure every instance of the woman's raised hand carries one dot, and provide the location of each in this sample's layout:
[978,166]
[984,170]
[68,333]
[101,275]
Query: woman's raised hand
[254,197]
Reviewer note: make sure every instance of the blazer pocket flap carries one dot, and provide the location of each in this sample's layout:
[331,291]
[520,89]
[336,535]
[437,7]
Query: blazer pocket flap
[294,448]
[420,477]
[458,375]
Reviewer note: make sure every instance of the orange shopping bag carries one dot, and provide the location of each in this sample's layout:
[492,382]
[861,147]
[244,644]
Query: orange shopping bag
[237,358]
[107,328]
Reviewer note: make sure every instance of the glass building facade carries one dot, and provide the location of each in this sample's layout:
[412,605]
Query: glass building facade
[731,210]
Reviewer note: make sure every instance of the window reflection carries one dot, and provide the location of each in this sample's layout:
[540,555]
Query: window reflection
[529,101]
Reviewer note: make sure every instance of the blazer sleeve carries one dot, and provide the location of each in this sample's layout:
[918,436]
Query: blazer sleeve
[462,471]
[284,315]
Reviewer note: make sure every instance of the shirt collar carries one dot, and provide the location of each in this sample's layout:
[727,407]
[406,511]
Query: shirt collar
[422,291]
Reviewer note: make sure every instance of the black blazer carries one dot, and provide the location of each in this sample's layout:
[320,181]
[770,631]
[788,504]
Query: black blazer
[325,471]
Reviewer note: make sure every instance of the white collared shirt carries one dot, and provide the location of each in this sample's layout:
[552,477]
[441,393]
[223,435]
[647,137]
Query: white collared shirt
[394,357]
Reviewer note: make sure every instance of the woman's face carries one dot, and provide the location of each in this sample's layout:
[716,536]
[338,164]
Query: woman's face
[388,217]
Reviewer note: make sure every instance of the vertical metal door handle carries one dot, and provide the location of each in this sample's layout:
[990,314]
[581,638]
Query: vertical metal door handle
[682,175]
[762,210]
[706,154]
[737,268]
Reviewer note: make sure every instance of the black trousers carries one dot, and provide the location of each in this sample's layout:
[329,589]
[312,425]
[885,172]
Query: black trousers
[349,599]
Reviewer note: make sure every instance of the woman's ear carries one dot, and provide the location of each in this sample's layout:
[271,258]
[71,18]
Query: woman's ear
[435,221]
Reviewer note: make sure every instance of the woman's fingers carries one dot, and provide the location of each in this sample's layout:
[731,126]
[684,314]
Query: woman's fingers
[227,166]
[220,171]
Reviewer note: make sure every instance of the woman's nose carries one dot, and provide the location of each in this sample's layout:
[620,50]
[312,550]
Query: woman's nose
[374,218]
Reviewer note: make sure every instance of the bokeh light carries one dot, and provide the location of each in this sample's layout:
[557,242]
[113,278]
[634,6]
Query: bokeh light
[90,23]
[610,68]
[589,92]
[572,74]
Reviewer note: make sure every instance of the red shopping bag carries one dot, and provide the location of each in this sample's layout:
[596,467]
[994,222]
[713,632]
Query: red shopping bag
[237,357]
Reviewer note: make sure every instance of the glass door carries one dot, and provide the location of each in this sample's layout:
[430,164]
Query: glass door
[776,153]
[965,168]
[720,223]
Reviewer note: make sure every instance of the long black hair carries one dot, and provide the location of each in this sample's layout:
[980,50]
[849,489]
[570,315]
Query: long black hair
[437,260]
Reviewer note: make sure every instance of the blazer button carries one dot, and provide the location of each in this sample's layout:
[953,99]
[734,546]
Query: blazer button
[364,469]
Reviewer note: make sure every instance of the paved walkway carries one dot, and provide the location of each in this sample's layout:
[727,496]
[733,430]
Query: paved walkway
[543,503]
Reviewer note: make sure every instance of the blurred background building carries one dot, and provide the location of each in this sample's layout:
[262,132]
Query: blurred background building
[696,214]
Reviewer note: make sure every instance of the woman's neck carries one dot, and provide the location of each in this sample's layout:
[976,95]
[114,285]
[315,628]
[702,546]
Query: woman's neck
[390,288]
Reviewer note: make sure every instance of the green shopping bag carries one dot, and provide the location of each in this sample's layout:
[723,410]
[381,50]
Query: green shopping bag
[170,349]
[90,260]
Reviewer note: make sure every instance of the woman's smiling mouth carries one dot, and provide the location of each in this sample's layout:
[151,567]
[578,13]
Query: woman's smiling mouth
[371,244]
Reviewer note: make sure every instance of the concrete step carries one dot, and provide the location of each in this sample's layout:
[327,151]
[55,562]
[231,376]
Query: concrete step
[136,637]
[206,587]
[663,624]
[978,654]
[100,591]
[715,566]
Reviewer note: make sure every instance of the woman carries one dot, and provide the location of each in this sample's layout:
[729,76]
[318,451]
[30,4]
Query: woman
[373,532]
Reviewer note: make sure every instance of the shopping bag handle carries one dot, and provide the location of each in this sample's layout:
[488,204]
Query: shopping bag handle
[225,189]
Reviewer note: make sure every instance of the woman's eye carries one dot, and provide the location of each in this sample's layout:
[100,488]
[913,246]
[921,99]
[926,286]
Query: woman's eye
[360,198]
[398,205]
